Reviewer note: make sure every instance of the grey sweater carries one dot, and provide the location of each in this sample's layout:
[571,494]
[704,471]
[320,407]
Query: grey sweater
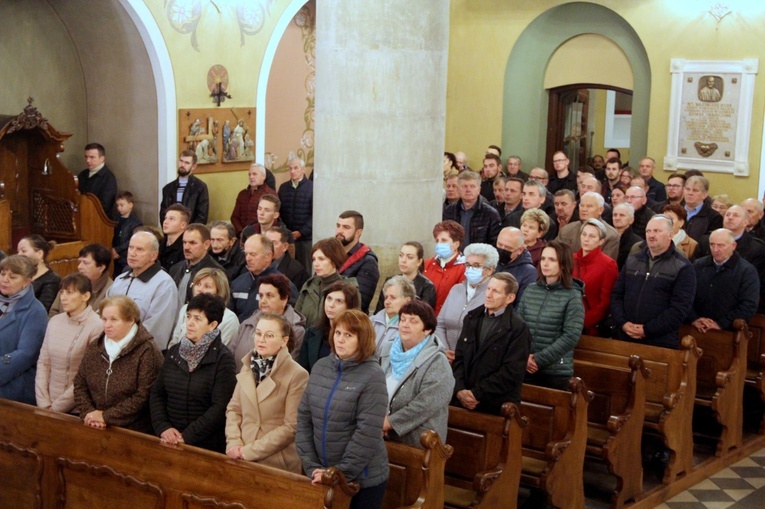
[340,420]
[420,400]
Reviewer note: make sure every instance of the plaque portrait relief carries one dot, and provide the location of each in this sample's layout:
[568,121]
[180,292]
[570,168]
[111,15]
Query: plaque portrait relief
[710,89]
[710,115]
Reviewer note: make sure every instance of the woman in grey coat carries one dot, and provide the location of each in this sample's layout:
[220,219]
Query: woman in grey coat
[419,378]
[480,262]
[341,415]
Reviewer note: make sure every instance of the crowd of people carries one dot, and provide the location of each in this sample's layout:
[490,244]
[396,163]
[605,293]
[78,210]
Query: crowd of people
[251,339]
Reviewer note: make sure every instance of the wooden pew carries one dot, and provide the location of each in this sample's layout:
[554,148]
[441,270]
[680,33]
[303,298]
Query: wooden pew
[554,442]
[615,421]
[485,469]
[53,460]
[417,475]
[720,377]
[755,361]
[670,391]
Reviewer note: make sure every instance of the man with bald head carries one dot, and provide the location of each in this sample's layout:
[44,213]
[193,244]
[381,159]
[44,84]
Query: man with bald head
[591,206]
[755,209]
[515,259]
[727,286]
[636,197]
[462,163]
[749,247]
[655,290]
[152,289]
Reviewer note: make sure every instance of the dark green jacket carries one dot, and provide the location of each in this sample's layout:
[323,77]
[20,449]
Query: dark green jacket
[555,316]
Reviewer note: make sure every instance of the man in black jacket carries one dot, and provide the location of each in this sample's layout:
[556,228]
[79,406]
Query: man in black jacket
[727,286]
[492,351]
[296,210]
[196,244]
[654,291]
[702,218]
[479,219]
[187,190]
[97,178]
[226,250]
[362,261]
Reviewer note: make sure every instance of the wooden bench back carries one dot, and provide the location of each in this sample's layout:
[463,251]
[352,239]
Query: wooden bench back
[554,417]
[670,369]
[755,356]
[417,475]
[721,349]
[614,388]
[477,441]
[49,459]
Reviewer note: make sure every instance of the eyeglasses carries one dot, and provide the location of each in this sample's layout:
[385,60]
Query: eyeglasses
[268,335]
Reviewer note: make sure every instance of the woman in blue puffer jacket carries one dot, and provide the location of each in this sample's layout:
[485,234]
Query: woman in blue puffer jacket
[553,309]
[341,415]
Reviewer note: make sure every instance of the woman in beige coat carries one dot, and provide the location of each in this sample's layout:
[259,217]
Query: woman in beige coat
[66,339]
[262,414]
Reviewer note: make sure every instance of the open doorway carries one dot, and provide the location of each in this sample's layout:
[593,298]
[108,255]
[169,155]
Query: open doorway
[584,120]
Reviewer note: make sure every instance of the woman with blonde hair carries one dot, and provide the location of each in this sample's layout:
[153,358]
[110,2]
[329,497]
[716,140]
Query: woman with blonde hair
[212,282]
[261,417]
[534,225]
[116,374]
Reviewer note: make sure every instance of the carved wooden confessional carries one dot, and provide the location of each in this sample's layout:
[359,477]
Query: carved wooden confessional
[38,194]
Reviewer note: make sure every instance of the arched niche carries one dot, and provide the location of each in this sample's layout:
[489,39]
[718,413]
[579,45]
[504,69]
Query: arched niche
[524,93]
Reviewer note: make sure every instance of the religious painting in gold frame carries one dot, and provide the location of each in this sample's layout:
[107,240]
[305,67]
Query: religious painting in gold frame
[222,138]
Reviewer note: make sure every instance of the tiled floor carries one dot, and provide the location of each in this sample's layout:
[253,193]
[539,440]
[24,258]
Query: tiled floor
[740,486]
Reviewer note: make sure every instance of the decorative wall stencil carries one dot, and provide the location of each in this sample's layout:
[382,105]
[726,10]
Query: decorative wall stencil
[184,15]
[222,138]
[305,20]
[710,115]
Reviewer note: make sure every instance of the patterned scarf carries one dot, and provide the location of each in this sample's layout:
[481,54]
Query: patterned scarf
[401,360]
[261,367]
[9,302]
[192,352]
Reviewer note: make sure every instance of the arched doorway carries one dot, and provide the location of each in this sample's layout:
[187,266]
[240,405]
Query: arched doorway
[525,96]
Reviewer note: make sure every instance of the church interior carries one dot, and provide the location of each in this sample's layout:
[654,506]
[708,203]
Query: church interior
[370,94]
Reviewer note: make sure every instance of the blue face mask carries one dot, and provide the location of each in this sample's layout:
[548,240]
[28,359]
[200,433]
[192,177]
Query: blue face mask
[444,250]
[474,275]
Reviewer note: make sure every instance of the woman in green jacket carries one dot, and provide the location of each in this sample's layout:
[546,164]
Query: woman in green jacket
[554,312]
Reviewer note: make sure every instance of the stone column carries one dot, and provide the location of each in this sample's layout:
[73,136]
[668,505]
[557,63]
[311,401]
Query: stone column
[380,119]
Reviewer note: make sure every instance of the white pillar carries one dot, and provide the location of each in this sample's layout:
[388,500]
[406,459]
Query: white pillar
[380,119]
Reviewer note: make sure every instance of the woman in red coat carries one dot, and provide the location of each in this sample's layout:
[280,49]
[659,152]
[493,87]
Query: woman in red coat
[447,268]
[597,271]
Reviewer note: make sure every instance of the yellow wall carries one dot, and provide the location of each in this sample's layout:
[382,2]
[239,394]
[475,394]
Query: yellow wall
[219,42]
[482,35]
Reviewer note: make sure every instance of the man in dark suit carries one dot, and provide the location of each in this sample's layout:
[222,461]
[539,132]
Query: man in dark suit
[702,218]
[492,351]
[97,178]
[283,262]
[187,190]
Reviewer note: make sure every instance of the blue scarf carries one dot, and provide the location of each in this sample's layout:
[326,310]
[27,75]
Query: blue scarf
[401,360]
